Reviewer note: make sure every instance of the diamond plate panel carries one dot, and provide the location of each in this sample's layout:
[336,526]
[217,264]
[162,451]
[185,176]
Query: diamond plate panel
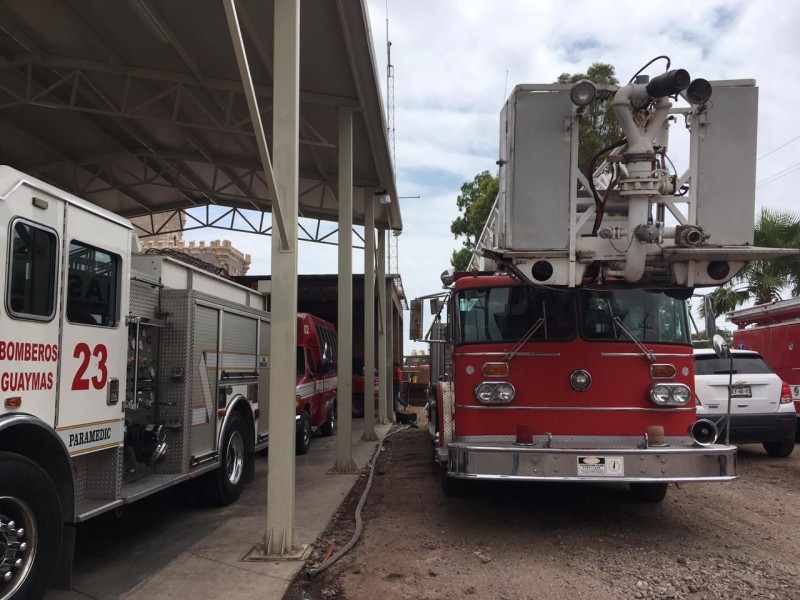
[175,381]
[144,295]
[448,400]
[98,475]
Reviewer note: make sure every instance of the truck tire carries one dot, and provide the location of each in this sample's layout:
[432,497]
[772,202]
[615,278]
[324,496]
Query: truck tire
[29,500]
[649,492]
[780,448]
[224,485]
[327,427]
[303,441]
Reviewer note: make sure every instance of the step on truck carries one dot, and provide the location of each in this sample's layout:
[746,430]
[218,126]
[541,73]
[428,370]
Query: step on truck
[121,374]
[564,353]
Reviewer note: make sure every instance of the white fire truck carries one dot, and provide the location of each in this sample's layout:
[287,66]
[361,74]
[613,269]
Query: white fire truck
[121,374]
[564,354]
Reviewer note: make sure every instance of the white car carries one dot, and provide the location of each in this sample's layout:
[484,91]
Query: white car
[761,404]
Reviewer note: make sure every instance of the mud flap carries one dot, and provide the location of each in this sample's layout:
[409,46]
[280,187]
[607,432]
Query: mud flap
[62,578]
[249,468]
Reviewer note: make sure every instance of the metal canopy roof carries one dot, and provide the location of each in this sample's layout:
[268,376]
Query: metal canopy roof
[137,105]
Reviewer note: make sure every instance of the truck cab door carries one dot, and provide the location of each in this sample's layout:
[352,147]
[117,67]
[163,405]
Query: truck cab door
[31,222]
[94,335]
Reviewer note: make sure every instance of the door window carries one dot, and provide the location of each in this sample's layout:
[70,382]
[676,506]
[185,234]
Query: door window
[32,272]
[92,286]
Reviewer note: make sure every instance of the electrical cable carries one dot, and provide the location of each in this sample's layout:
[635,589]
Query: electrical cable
[779,175]
[650,63]
[598,203]
[779,147]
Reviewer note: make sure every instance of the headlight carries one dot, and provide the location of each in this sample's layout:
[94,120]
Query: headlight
[580,380]
[484,392]
[670,394]
[659,394]
[490,392]
[505,392]
[681,394]
[583,93]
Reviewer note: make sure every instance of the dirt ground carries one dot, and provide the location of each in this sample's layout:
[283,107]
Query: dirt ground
[553,541]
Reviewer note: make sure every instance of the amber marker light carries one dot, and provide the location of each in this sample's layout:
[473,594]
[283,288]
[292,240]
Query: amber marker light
[14,402]
[498,369]
[662,371]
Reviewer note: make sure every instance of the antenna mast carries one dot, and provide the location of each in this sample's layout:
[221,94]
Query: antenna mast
[394,266]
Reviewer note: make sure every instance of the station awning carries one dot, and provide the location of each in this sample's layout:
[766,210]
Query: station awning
[138,105]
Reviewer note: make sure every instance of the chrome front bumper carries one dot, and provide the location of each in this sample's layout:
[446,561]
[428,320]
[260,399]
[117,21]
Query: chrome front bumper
[610,462]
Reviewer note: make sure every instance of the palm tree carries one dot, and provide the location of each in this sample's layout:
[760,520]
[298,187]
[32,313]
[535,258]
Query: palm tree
[764,281]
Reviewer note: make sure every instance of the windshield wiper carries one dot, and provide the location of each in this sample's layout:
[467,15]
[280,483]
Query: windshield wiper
[648,354]
[528,334]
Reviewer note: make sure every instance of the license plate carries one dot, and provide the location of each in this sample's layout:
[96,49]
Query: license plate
[601,466]
[741,391]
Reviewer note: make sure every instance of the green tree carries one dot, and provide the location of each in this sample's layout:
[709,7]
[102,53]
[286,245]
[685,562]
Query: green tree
[474,203]
[763,281]
[599,126]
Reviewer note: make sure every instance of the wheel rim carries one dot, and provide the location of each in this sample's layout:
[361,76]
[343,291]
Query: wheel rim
[18,541]
[306,432]
[234,457]
[332,418]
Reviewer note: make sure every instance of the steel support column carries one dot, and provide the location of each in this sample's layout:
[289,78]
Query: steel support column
[281,538]
[369,318]
[384,358]
[344,438]
[281,222]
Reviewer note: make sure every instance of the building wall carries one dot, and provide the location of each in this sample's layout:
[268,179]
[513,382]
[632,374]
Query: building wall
[220,253]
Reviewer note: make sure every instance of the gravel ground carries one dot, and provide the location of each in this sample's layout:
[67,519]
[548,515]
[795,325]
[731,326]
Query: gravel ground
[737,540]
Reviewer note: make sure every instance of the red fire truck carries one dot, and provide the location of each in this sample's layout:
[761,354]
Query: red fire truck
[772,330]
[565,353]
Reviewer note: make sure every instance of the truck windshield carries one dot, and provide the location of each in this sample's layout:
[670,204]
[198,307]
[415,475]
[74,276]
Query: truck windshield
[651,316]
[499,314]
[507,313]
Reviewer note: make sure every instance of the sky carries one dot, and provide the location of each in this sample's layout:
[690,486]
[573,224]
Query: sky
[456,61]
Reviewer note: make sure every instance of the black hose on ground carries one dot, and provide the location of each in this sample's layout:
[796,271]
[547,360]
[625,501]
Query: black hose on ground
[311,573]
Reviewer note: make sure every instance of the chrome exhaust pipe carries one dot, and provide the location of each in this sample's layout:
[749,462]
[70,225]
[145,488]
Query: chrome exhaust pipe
[704,432]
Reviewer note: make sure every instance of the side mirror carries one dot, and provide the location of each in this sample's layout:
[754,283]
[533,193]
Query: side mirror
[721,347]
[436,305]
[711,318]
[415,322]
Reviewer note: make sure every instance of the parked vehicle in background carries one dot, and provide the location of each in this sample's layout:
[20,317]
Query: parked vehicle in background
[358,386]
[761,408]
[773,330]
[317,379]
